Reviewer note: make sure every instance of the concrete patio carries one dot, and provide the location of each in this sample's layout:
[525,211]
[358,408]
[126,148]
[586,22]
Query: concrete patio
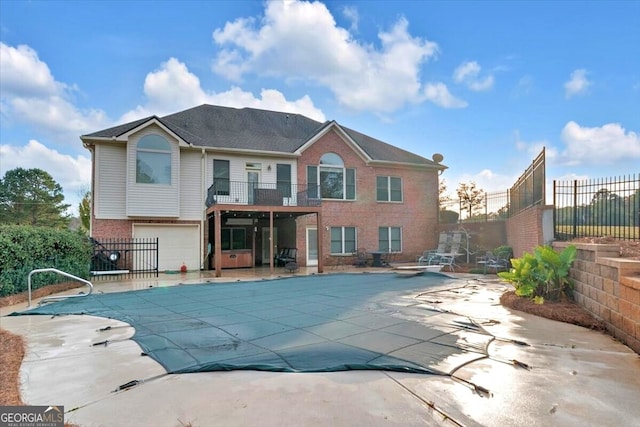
[576,377]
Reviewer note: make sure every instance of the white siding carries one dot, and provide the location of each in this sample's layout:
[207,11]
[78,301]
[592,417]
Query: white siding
[153,200]
[110,181]
[191,193]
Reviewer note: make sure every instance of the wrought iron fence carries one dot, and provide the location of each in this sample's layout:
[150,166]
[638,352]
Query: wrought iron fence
[595,208]
[124,257]
[529,189]
[262,194]
[492,206]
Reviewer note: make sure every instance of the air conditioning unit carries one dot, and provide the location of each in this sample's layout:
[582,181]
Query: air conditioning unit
[239,221]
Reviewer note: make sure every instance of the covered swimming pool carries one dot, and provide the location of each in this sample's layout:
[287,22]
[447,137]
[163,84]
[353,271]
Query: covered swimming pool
[317,323]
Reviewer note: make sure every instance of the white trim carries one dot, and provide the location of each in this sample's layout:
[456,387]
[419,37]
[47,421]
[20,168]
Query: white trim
[310,262]
[342,134]
[154,120]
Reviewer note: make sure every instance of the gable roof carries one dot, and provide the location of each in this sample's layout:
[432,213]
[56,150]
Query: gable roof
[262,130]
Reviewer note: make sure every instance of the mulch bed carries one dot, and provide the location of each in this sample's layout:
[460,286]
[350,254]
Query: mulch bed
[38,293]
[11,354]
[563,311]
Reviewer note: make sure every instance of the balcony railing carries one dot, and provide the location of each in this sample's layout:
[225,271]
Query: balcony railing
[262,194]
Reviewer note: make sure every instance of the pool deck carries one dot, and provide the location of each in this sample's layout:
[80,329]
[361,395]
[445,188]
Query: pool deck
[577,377]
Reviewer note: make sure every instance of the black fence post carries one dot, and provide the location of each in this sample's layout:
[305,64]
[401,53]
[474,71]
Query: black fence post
[575,208]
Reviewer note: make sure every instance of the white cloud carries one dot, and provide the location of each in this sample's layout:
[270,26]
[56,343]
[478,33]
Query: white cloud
[23,74]
[468,73]
[30,95]
[72,173]
[598,145]
[534,148]
[577,84]
[173,88]
[301,41]
[486,180]
[524,86]
[440,95]
[351,13]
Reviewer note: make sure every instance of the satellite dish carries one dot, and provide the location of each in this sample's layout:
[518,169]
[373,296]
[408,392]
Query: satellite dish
[437,157]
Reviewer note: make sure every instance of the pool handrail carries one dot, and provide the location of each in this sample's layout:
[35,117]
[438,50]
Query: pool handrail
[55,270]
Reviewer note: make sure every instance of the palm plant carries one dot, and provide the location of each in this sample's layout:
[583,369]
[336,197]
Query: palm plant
[543,274]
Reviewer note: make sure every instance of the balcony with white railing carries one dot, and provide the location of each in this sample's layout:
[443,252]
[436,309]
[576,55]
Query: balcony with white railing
[262,194]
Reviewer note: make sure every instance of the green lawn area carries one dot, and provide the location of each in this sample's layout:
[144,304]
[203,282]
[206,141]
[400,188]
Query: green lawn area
[600,231]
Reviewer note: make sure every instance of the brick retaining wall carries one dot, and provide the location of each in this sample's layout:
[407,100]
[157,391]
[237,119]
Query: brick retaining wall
[608,287]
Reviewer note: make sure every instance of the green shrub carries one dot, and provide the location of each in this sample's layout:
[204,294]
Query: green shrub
[543,274]
[503,252]
[449,217]
[25,248]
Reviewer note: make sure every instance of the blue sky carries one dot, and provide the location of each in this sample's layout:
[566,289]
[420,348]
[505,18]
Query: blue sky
[487,84]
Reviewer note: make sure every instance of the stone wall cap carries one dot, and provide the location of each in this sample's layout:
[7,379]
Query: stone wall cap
[596,247]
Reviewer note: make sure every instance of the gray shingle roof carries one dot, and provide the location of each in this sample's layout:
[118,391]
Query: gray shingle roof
[254,129]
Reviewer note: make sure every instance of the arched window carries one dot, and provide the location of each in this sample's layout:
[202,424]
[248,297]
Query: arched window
[332,179]
[153,160]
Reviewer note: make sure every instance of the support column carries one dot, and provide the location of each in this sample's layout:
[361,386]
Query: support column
[319,235]
[217,229]
[271,243]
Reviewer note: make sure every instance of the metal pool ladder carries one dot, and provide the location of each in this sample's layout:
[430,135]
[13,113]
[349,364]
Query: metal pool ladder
[55,270]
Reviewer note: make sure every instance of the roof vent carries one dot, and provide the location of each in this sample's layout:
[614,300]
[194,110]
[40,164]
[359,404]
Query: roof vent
[437,157]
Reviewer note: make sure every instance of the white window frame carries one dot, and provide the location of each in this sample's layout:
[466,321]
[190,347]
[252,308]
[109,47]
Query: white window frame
[388,189]
[342,240]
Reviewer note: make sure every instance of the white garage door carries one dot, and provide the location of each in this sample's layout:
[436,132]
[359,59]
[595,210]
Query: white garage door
[177,244]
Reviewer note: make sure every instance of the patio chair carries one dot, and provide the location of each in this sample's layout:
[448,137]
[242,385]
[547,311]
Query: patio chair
[286,255]
[361,257]
[448,259]
[490,261]
[387,257]
[443,242]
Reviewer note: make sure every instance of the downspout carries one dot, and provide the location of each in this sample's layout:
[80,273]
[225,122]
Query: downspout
[91,149]
[204,209]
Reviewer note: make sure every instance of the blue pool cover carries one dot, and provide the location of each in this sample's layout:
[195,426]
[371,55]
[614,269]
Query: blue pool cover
[315,323]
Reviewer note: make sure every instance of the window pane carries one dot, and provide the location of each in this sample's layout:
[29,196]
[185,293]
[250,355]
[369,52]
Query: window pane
[331,183]
[383,238]
[225,237]
[382,194]
[153,168]
[312,181]
[396,189]
[351,184]
[238,238]
[349,240]
[221,176]
[336,240]
[331,159]
[283,179]
[154,142]
[396,239]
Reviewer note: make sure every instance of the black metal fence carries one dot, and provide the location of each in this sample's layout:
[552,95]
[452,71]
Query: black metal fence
[528,190]
[492,206]
[124,257]
[595,208]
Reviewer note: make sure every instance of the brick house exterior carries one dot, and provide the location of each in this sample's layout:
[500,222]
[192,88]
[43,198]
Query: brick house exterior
[225,187]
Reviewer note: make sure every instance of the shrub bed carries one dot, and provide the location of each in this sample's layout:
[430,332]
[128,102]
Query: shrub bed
[25,248]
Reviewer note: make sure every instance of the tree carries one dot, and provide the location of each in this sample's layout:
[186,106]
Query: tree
[471,198]
[443,197]
[32,197]
[606,208]
[84,208]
